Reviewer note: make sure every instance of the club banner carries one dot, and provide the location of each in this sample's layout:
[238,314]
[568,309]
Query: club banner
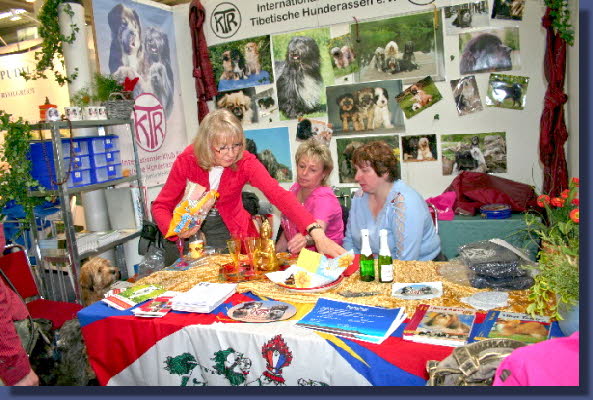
[136,40]
[229,20]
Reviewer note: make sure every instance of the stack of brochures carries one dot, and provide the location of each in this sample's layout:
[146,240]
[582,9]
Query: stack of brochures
[128,298]
[353,321]
[157,307]
[204,297]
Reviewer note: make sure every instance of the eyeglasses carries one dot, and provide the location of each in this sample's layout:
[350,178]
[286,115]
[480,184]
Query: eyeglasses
[226,148]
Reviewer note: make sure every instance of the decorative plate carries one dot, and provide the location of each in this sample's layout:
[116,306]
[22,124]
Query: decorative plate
[261,311]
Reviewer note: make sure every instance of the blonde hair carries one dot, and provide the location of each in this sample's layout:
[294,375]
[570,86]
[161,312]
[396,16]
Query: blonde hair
[219,126]
[313,149]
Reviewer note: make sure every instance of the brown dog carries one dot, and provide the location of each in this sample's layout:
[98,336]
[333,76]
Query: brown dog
[515,327]
[96,275]
[252,58]
[239,104]
[365,102]
[447,323]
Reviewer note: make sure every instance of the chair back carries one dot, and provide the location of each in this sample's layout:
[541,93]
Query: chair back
[15,265]
[434,214]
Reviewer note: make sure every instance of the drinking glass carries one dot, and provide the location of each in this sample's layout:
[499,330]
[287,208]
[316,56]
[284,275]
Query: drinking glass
[252,246]
[230,272]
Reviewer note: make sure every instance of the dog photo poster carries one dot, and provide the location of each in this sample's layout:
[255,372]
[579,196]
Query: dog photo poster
[272,147]
[346,146]
[241,103]
[242,63]
[480,152]
[466,95]
[365,107]
[266,103]
[342,54]
[302,70]
[419,148]
[467,16]
[402,47]
[418,97]
[508,9]
[489,50]
[507,91]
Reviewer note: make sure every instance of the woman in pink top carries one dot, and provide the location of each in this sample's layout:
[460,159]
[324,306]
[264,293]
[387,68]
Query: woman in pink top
[314,165]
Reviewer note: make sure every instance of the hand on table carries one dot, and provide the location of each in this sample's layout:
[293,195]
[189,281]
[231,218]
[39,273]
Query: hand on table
[296,244]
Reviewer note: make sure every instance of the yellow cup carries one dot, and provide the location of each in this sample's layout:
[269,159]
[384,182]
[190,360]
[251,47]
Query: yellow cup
[196,248]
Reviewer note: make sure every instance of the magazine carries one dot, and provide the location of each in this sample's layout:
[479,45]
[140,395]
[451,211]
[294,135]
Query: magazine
[132,296]
[354,321]
[445,326]
[516,326]
[157,307]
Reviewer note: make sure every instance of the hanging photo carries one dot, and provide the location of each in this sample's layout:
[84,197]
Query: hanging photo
[346,146]
[466,95]
[508,9]
[320,131]
[419,148]
[303,71]
[489,50]
[507,91]
[342,54]
[365,107]
[418,97]
[396,48]
[241,103]
[464,17]
[271,147]
[482,152]
[242,64]
[266,103]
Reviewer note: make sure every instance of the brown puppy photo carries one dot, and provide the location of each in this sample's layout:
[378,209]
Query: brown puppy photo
[252,58]
[365,102]
[447,323]
[515,327]
[96,276]
[239,104]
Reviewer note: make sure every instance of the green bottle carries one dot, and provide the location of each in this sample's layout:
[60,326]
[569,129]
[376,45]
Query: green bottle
[385,269]
[367,261]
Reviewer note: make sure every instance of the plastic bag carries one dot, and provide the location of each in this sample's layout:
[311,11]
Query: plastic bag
[491,259]
[153,260]
[444,205]
[192,210]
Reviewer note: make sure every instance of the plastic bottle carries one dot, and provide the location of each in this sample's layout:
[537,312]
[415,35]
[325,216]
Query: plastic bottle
[385,261]
[367,261]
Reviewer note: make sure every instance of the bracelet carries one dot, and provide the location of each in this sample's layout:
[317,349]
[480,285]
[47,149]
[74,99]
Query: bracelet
[314,226]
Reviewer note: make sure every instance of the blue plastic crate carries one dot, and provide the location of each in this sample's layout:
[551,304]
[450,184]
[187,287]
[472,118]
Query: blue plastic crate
[78,162]
[108,158]
[102,144]
[80,147]
[107,173]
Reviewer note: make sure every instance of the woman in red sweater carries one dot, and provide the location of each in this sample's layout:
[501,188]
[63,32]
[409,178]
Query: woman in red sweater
[220,146]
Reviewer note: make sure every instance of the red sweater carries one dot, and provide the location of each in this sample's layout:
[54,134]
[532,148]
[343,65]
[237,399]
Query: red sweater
[229,204]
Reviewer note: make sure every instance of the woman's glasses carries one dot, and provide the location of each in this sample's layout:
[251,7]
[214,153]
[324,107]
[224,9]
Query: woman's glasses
[226,148]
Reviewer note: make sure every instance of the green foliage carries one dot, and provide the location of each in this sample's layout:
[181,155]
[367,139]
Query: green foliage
[560,13]
[81,98]
[103,86]
[15,179]
[52,45]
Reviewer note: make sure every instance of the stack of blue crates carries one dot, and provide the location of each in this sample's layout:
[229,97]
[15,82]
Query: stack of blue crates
[94,159]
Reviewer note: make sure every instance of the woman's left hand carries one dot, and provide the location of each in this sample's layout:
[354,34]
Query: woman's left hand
[297,243]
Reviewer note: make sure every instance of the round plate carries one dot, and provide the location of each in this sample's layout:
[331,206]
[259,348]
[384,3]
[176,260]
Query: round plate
[261,311]
[318,289]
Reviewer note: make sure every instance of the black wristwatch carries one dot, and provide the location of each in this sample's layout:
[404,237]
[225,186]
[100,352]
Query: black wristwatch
[314,226]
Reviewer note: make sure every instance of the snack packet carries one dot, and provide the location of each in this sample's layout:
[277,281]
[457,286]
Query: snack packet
[192,210]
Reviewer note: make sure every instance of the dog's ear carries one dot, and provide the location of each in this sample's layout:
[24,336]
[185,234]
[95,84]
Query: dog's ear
[114,17]
[137,18]
[86,280]
[165,52]
[222,102]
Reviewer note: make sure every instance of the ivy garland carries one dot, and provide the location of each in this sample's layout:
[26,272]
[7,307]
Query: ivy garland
[53,40]
[560,14]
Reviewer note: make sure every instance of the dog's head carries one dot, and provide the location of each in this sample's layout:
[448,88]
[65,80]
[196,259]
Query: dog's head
[381,97]
[303,51]
[266,102]
[391,49]
[97,274]
[304,129]
[463,19]
[442,320]
[475,141]
[238,103]
[423,143]
[251,49]
[227,62]
[336,52]
[393,64]
[238,61]
[364,97]
[346,102]
[125,28]
[409,47]
[156,46]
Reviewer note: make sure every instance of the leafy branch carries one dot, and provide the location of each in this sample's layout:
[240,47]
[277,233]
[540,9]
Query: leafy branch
[560,14]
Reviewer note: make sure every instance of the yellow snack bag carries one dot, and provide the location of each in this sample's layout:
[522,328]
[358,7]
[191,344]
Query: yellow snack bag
[192,210]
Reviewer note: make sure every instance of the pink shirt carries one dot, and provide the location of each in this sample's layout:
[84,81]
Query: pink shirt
[553,362]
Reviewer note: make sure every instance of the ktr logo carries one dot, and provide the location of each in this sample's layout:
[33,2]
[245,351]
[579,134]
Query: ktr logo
[150,122]
[225,20]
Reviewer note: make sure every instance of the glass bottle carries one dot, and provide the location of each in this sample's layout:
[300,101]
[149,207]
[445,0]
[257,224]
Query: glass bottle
[367,261]
[385,261]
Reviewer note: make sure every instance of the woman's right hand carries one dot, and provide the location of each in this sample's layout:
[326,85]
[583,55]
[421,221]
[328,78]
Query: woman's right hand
[189,233]
[325,245]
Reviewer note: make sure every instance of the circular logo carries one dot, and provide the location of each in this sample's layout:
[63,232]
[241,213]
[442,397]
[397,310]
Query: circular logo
[150,122]
[225,20]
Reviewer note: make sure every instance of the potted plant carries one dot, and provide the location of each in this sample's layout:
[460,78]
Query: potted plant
[557,283]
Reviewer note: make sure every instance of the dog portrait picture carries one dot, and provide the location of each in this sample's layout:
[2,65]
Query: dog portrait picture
[266,103]
[96,276]
[466,95]
[243,63]
[345,146]
[320,131]
[272,148]
[463,17]
[126,39]
[506,91]
[156,66]
[508,9]
[480,152]
[365,107]
[418,97]
[344,61]
[404,47]
[419,148]
[303,71]
[489,50]
[513,326]
[241,103]
[447,324]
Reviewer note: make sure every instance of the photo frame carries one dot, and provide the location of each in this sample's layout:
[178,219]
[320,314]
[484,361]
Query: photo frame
[272,147]
[467,16]
[419,148]
[489,50]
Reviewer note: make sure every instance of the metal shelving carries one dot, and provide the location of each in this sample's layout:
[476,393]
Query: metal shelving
[73,257]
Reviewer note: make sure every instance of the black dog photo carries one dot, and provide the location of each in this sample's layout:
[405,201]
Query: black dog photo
[462,17]
[508,9]
[481,152]
[506,91]
[488,51]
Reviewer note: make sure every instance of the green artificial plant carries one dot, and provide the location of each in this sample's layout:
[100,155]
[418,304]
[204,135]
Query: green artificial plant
[560,13]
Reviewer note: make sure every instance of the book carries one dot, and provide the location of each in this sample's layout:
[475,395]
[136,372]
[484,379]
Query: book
[516,326]
[157,307]
[445,326]
[204,297]
[129,297]
[353,321]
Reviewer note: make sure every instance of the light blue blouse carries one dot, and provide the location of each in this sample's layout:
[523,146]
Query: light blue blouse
[405,215]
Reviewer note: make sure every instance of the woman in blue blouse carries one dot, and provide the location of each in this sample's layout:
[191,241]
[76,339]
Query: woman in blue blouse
[386,203]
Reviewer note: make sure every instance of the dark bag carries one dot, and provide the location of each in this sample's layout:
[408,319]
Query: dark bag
[149,236]
[471,365]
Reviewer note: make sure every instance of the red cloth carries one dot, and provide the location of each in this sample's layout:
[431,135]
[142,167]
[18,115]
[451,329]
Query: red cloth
[553,133]
[14,363]
[57,312]
[203,72]
[229,204]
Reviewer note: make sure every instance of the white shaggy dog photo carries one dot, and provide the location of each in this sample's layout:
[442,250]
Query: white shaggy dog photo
[382,115]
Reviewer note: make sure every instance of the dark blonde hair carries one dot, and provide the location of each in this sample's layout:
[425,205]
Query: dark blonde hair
[313,149]
[379,156]
[218,126]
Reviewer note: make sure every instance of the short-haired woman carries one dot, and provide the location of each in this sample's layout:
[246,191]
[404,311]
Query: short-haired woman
[314,165]
[385,202]
[218,153]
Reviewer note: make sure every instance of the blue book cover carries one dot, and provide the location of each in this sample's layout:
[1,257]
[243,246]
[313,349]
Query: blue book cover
[510,325]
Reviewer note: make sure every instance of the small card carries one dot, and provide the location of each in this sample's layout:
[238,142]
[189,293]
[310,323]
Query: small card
[417,290]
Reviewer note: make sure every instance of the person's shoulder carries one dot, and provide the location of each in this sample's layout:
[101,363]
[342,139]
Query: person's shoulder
[324,192]
[247,160]
[187,154]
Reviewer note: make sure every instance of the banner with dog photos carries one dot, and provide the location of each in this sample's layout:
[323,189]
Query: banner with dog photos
[137,40]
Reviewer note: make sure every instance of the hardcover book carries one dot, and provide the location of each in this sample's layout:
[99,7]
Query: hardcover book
[157,307]
[516,326]
[132,296]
